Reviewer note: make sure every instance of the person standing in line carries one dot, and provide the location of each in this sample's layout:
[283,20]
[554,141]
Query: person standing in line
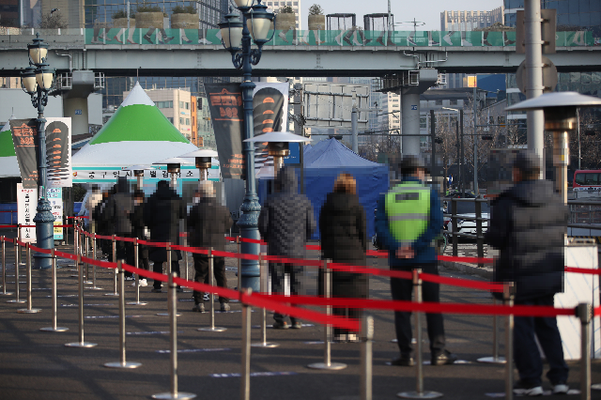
[118,209]
[139,231]
[408,220]
[528,225]
[286,222]
[344,240]
[103,226]
[162,214]
[208,223]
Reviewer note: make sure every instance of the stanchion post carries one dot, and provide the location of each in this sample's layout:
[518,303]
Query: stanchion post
[419,393]
[186,259]
[168,249]
[17,298]
[584,311]
[367,331]
[239,264]
[94,243]
[263,283]
[114,259]
[137,265]
[29,309]
[508,295]
[54,327]
[212,328]
[174,394]
[81,342]
[86,247]
[245,373]
[327,364]
[495,359]
[4,292]
[123,363]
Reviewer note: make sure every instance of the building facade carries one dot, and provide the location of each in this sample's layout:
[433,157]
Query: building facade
[469,20]
[275,6]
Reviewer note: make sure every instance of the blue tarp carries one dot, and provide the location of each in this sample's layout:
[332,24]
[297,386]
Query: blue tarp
[324,162]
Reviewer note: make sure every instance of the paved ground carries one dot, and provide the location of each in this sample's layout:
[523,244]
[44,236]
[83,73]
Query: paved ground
[37,365]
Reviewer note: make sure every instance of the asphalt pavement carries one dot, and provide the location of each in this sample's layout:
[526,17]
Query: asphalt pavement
[36,365]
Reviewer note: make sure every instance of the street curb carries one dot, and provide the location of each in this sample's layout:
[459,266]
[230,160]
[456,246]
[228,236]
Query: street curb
[470,269]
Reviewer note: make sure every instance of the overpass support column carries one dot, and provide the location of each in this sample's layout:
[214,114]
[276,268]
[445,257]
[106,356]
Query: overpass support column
[75,90]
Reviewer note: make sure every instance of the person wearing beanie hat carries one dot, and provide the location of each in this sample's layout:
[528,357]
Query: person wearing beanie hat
[208,222]
[528,224]
[408,220]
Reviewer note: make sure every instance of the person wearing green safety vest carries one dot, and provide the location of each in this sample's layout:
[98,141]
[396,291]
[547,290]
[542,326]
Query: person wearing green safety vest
[408,220]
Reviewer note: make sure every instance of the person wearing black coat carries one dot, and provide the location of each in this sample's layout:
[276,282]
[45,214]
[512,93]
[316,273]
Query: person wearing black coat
[344,240]
[528,225]
[117,211]
[162,213]
[286,222]
[208,222]
[104,227]
[139,231]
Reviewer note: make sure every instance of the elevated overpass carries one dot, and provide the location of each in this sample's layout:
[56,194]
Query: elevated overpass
[177,52]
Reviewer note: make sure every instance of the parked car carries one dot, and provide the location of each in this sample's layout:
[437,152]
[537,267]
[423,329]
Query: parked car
[466,214]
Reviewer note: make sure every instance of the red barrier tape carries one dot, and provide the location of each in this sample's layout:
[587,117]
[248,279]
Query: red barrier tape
[470,260]
[583,270]
[33,226]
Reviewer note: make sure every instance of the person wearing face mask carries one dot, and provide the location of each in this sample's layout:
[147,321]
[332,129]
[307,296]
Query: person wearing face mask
[138,231]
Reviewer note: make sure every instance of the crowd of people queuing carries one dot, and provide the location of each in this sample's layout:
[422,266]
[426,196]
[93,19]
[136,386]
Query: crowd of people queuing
[408,219]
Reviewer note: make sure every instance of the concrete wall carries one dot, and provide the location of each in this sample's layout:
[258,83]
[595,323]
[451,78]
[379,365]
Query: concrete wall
[18,103]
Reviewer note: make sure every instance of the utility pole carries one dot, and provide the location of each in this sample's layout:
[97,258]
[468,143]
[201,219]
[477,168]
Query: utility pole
[475,145]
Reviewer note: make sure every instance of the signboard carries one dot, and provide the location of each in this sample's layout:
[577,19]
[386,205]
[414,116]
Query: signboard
[331,104]
[109,175]
[55,197]
[27,202]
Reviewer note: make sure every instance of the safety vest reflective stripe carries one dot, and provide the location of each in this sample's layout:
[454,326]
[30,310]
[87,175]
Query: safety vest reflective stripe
[406,217]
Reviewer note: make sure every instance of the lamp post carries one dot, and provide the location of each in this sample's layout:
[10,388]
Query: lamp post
[37,81]
[236,34]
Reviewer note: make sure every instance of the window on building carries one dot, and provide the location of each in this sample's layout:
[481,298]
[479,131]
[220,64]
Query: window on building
[181,120]
[187,121]
[170,119]
[187,106]
[181,104]
[423,122]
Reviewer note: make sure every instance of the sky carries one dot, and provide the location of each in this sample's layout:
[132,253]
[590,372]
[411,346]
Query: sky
[427,11]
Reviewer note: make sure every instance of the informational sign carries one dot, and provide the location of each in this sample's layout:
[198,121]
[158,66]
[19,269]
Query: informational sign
[27,202]
[110,174]
[55,197]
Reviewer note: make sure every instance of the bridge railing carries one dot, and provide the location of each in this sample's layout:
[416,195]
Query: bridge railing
[342,38]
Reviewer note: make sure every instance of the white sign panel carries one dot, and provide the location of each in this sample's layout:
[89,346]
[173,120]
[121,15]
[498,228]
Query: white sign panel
[110,175]
[27,202]
[331,104]
[55,197]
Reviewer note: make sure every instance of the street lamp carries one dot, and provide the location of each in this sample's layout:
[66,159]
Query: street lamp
[560,118]
[236,34]
[36,81]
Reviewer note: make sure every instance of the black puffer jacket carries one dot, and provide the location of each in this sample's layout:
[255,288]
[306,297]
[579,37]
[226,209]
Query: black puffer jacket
[286,219]
[208,222]
[162,213]
[342,228]
[119,207]
[527,225]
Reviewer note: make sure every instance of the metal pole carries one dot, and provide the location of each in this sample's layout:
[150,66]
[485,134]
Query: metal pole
[4,292]
[123,363]
[534,71]
[433,140]
[86,246]
[17,298]
[419,392]
[137,265]
[54,327]
[367,357]
[212,328]
[495,359]
[168,248]
[239,264]
[28,310]
[245,373]
[355,140]
[174,394]
[508,294]
[479,233]
[584,311]
[114,259]
[327,364]
[264,342]
[94,243]
[81,342]
[463,175]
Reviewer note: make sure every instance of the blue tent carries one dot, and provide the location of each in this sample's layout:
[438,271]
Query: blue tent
[324,162]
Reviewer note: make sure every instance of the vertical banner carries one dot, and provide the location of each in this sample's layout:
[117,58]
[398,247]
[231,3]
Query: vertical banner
[55,197]
[270,112]
[25,140]
[27,202]
[225,104]
[58,152]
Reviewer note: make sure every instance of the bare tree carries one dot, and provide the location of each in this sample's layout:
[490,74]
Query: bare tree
[53,20]
[590,148]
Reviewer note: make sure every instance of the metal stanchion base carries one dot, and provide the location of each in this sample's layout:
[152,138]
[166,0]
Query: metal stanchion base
[94,288]
[16,301]
[172,396]
[332,366]
[265,344]
[165,314]
[88,283]
[27,311]
[57,329]
[136,303]
[492,360]
[419,395]
[214,329]
[119,364]
[111,294]
[81,344]
[6,294]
